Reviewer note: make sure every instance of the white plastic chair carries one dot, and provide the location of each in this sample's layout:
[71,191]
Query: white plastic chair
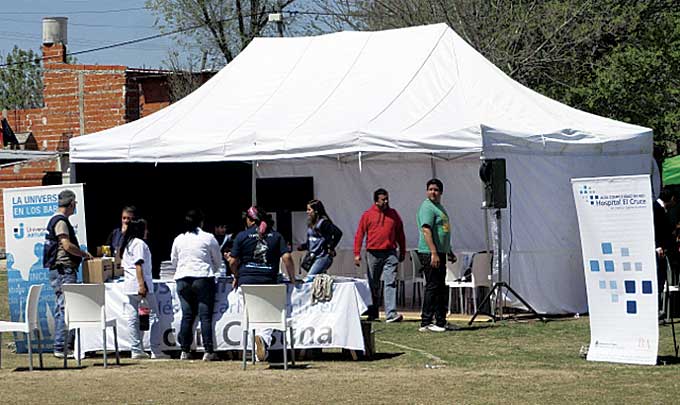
[265,308]
[85,307]
[31,323]
[416,278]
[480,277]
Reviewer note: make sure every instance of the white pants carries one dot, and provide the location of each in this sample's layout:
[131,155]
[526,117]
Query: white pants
[137,336]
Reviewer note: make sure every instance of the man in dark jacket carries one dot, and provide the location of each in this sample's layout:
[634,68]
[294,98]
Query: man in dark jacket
[664,240]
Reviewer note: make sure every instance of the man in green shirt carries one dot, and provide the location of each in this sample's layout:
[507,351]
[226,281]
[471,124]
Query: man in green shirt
[433,246]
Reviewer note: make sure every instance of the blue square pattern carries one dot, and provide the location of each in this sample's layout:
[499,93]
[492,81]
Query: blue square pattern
[631,307]
[625,252]
[594,265]
[638,266]
[627,266]
[612,284]
[609,266]
[603,284]
[607,248]
[615,298]
[630,286]
[646,286]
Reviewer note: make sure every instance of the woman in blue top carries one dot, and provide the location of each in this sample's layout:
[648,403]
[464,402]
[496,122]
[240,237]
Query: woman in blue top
[322,238]
[257,251]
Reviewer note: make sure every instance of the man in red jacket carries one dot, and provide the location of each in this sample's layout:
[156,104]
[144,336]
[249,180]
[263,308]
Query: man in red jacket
[384,232]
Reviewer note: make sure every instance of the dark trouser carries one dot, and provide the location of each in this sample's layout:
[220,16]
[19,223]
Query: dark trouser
[436,297]
[197,297]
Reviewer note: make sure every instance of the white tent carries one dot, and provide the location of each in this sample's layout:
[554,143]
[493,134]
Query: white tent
[359,110]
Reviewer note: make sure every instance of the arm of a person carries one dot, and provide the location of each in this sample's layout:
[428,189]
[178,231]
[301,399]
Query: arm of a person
[215,255]
[174,253]
[429,240]
[359,240]
[233,266]
[142,291]
[290,266]
[401,238]
[71,248]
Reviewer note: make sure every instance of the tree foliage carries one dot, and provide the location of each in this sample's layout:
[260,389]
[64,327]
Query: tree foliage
[20,83]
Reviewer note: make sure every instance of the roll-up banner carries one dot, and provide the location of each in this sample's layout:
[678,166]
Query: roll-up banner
[27,211]
[617,240]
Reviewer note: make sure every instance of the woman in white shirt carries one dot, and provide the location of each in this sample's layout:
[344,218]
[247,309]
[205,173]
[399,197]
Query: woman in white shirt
[137,284]
[196,257]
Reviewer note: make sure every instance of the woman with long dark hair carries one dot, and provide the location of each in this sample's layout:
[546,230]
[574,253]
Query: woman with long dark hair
[135,259]
[322,238]
[196,256]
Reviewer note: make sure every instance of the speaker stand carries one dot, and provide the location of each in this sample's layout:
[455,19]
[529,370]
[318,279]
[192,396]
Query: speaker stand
[497,310]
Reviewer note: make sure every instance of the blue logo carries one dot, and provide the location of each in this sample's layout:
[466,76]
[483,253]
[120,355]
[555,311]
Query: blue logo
[19,232]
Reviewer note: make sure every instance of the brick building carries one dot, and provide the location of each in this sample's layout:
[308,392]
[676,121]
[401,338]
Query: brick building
[78,99]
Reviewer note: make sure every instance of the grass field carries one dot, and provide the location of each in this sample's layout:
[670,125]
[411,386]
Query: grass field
[509,362]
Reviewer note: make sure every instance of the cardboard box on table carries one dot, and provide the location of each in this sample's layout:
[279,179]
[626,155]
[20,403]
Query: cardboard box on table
[117,268]
[97,270]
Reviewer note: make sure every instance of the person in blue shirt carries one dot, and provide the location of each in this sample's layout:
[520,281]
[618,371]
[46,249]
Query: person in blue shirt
[115,238]
[257,251]
[322,238]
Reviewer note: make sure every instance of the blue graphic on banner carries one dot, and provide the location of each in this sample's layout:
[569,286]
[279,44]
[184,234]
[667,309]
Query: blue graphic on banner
[629,286]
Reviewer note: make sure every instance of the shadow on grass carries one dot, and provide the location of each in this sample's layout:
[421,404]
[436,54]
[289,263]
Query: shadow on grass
[73,366]
[667,360]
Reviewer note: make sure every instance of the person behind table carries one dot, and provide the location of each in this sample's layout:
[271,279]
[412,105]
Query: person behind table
[136,262]
[115,238]
[255,257]
[196,257]
[384,232]
[433,246]
[322,238]
[62,256]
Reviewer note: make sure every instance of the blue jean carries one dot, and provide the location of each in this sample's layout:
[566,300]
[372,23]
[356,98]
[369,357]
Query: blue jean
[320,265]
[136,335]
[197,298]
[57,279]
[383,262]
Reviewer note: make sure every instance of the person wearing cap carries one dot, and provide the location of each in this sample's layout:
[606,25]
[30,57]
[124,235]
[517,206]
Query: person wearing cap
[254,259]
[62,256]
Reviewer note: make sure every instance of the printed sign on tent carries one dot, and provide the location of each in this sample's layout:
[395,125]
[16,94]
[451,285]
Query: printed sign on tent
[27,211]
[617,240]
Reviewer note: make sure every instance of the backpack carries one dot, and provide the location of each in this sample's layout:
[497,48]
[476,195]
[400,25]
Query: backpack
[52,243]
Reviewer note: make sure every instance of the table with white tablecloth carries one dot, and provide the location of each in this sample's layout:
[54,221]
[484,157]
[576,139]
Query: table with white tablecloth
[332,324]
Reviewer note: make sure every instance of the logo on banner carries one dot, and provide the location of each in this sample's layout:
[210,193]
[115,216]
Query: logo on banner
[632,200]
[19,231]
[627,293]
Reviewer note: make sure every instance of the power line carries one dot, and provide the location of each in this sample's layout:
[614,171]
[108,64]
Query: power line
[120,10]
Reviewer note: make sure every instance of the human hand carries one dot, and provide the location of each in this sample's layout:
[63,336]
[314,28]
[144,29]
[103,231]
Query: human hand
[357,260]
[434,260]
[142,291]
[331,252]
[659,252]
[234,283]
[452,257]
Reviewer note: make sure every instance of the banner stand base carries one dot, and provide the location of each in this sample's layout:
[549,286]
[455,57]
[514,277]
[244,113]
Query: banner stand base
[497,288]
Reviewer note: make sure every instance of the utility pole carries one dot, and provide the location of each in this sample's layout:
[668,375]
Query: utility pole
[277,18]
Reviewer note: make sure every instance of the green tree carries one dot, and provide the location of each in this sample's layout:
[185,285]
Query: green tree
[21,84]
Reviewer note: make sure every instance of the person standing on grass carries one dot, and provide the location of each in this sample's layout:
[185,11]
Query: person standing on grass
[196,257]
[62,255]
[136,262]
[384,232]
[433,246]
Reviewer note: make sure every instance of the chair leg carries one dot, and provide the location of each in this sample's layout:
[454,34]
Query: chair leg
[253,351]
[115,344]
[30,351]
[78,351]
[461,300]
[413,296]
[245,347]
[285,351]
[65,351]
[474,299]
[104,342]
[37,331]
[292,345]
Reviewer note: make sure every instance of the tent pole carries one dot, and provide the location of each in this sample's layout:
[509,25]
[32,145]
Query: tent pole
[433,166]
[253,182]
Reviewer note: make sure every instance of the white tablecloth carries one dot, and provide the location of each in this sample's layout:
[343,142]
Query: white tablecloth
[333,324]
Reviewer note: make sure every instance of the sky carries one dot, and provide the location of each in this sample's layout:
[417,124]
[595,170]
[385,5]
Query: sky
[21,25]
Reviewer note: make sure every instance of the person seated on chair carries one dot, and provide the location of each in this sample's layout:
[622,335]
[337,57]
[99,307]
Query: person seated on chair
[254,259]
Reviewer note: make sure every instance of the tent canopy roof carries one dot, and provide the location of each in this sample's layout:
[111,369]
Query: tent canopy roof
[419,89]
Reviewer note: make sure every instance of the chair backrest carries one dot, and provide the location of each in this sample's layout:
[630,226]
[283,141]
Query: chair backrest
[481,269]
[454,271]
[32,305]
[265,303]
[84,302]
[416,266]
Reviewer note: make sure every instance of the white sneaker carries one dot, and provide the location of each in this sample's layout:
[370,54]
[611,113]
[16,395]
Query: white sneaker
[139,355]
[159,356]
[425,328]
[210,357]
[60,355]
[185,356]
[435,328]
